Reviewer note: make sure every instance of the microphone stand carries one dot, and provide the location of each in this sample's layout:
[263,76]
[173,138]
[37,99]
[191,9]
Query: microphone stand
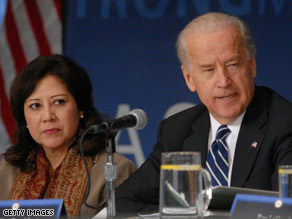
[110,175]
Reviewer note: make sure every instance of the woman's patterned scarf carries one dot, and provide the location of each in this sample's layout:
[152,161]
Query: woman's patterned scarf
[67,182]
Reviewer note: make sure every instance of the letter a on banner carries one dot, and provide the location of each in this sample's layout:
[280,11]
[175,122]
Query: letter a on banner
[135,146]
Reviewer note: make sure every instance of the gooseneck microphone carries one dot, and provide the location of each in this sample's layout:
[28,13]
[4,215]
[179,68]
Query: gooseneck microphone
[136,119]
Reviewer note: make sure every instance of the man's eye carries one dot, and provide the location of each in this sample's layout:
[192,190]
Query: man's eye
[208,70]
[233,66]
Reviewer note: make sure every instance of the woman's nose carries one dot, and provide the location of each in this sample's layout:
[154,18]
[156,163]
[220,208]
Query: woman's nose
[48,114]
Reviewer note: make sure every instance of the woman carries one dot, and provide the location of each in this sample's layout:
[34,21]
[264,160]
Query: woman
[51,100]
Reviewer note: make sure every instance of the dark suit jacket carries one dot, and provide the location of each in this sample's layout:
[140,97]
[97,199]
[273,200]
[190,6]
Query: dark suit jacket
[267,121]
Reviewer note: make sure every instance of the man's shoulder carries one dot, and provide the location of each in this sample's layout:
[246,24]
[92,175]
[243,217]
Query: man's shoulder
[270,106]
[275,101]
[192,111]
[185,117]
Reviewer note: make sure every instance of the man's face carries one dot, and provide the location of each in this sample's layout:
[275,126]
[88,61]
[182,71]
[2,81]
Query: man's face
[220,71]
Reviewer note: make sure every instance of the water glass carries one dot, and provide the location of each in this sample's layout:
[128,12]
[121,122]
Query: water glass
[181,185]
[285,181]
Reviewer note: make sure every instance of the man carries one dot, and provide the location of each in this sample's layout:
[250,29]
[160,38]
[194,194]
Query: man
[217,55]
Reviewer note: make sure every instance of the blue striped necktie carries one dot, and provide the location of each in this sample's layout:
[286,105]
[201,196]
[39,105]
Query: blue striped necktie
[217,160]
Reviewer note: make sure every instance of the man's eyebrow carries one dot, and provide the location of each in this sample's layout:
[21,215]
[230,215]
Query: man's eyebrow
[237,57]
[206,66]
[234,58]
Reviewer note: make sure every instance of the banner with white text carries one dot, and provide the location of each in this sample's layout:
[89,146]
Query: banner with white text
[128,48]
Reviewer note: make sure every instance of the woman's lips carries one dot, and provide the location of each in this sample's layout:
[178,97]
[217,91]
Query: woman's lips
[51,131]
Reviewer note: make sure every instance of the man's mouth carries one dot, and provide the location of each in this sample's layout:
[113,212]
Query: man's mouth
[227,97]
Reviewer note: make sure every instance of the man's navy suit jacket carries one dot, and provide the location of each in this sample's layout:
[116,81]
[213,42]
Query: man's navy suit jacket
[267,121]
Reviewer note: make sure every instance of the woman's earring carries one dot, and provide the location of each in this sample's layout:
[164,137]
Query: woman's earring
[81,115]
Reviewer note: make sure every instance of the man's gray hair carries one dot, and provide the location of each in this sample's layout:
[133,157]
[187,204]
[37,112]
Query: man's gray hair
[210,22]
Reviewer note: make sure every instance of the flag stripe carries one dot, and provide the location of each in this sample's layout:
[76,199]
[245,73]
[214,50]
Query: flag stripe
[37,26]
[13,39]
[5,140]
[6,61]
[58,8]
[26,35]
[6,113]
[53,32]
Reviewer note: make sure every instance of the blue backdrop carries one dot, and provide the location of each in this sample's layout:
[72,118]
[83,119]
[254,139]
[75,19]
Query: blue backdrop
[128,49]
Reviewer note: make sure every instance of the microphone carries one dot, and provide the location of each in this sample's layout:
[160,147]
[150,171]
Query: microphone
[136,119]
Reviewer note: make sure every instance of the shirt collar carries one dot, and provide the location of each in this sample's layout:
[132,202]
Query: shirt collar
[234,126]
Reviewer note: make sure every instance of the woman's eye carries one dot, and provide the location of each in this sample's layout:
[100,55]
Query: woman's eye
[60,101]
[34,105]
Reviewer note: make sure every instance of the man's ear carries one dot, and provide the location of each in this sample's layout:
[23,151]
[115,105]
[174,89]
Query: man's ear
[188,79]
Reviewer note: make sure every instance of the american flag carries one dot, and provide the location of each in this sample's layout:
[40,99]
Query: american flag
[30,28]
[254,144]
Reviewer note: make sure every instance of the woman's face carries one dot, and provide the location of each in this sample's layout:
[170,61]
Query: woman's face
[52,114]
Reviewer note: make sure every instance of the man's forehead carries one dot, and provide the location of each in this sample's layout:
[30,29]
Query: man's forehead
[206,43]
[231,30]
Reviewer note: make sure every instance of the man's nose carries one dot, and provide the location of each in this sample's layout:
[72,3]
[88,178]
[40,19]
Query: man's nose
[223,77]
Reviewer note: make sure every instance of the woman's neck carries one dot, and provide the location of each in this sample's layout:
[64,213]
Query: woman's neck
[55,156]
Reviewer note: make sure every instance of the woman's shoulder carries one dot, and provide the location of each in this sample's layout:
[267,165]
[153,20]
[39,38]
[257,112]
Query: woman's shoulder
[118,159]
[122,159]
[7,167]
[124,166]
[7,172]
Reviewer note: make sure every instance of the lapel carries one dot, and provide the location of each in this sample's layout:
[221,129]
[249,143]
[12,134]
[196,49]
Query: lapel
[198,141]
[249,140]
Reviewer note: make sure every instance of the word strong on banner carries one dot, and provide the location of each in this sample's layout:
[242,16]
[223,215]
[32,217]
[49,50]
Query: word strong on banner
[135,147]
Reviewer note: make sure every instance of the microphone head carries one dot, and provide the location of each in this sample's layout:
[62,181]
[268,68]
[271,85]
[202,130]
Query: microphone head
[141,117]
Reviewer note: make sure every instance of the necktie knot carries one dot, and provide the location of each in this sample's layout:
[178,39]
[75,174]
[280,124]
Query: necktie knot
[222,132]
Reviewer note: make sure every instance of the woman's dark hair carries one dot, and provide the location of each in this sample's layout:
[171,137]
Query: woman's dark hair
[23,153]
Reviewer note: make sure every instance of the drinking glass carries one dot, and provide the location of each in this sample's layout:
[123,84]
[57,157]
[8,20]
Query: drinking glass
[285,181]
[181,185]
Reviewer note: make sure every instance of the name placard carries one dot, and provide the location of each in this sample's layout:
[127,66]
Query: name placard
[32,209]
[261,207]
